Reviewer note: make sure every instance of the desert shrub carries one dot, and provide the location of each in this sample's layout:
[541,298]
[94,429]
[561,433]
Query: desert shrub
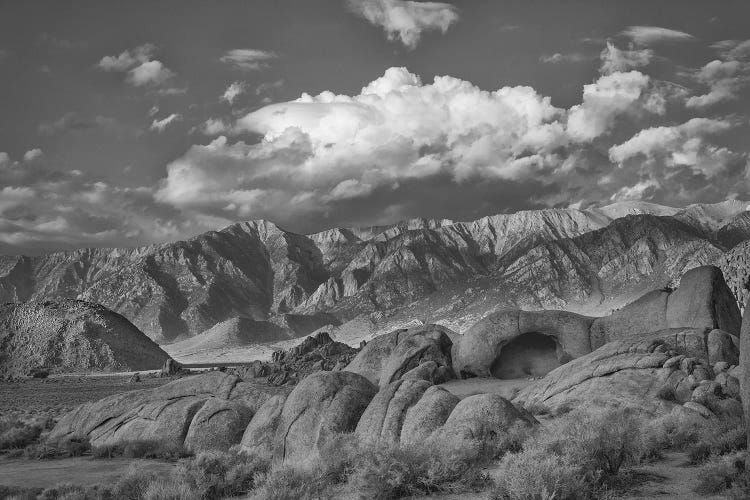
[671,432]
[165,450]
[133,484]
[14,492]
[66,448]
[718,438]
[66,491]
[723,473]
[217,474]
[18,433]
[573,457]
[170,489]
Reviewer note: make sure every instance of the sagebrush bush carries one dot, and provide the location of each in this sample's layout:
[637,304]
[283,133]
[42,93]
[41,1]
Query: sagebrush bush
[164,450]
[572,457]
[722,473]
[217,474]
[671,432]
[718,438]
[66,448]
[16,432]
[133,484]
[66,491]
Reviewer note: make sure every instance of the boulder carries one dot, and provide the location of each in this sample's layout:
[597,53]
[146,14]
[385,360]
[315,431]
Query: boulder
[323,404]
[384,417]
[745,372]
[483,417]
[730,386]
[431,372]
[481,345]
[722,346]
[703,300]
[259,434]
[163,413]
[699,409]
[623,373]
[646,314]
[218,425]
[388,357]
[427,415]
[707,394]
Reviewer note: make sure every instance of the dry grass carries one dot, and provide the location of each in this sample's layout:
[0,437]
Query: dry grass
[163,450]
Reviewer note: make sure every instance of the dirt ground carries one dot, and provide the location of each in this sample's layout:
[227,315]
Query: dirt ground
[57,395]
[84,471]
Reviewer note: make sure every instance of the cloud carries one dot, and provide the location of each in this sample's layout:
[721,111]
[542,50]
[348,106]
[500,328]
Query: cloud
[161,125]
[678,147]
[142,69]
[233,91]
[558,58]
[32,155]
[610,97]
[215,126]
[615,59]
[649,35]
[405,21]
[248,59]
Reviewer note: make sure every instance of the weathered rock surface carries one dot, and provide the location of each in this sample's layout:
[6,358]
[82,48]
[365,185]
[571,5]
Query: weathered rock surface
[745,371]
[389,357]
[259,435]
[483,417]
[384,417]
[167,413]
[72,335]
[217,425]
[323,404]
[427,415]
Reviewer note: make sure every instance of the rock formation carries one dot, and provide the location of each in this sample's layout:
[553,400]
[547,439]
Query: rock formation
[72,335]
[514,344]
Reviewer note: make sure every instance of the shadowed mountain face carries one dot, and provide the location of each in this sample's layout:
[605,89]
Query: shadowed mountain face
[256,270]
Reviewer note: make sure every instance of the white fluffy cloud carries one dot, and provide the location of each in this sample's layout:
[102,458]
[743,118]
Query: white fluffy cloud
[161,125]
[142,69]
[648,35]
[233,91]
[681,146]
[615,59]
[406,20]
[32,155]
[248,59]
[723,79]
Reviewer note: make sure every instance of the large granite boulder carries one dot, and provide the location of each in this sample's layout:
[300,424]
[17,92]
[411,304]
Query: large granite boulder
[483,417]
[703,299]
[647,314]
[167,413]
[427,415]
[323,404]
[258,438]
[481,346]
[745,371]
[384,417]
[389,357]
[217,425]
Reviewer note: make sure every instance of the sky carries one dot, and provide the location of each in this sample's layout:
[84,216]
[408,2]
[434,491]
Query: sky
[127,123]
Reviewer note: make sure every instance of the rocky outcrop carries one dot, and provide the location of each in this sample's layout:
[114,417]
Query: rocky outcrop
[483,417]
[389,357]
[384,417]
[202,411]
[744,375]
[427,415]
[649,372]
[69,336]
[703,302]
[259,434]
[323,404]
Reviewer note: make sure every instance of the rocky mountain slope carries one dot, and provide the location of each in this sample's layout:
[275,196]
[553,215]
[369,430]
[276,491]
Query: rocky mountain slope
[441,269]
[72,335]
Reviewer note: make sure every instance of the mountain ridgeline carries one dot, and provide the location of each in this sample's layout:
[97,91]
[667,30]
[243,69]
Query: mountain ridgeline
[292,284]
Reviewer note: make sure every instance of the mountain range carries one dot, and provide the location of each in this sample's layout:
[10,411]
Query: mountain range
[284,285]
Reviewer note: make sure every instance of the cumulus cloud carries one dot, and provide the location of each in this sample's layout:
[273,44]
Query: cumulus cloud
[649,35]
[161,125]
[32,155]
[141,68]
[248,59]
[723,79]
[215,126]
[320,156]
[615,59]
[610,97]
[233,91]
[405,21]
[681,146]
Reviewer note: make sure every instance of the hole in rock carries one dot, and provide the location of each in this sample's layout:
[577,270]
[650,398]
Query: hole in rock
[528,355]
